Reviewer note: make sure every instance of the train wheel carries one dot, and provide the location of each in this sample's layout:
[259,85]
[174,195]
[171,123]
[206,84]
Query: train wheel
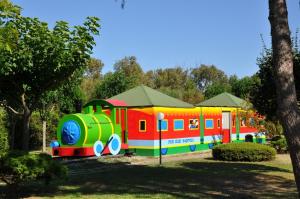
[98,148]
[115,144]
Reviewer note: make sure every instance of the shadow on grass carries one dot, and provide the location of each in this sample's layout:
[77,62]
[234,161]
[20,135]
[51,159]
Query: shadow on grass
[207,179]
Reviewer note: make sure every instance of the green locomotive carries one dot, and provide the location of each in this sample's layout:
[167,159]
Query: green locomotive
[94,132]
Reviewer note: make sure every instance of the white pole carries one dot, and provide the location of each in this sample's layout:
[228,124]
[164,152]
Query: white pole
[44,135]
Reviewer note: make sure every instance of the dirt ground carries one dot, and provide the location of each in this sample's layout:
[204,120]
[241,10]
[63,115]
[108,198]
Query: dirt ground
[140,160]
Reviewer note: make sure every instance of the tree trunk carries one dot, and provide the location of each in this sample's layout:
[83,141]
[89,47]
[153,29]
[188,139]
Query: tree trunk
[26,120]
[12,133]
[44,135]
[287,111]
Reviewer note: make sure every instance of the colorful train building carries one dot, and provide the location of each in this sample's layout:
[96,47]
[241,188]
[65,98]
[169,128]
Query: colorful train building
[128,123]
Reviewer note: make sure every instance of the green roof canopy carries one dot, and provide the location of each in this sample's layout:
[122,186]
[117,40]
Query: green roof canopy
[143,96]
[225,100]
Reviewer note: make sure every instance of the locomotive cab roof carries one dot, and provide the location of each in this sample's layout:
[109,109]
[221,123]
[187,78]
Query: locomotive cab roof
[106,103]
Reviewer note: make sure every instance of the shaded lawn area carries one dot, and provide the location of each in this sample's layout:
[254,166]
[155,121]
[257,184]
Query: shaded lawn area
[194,178]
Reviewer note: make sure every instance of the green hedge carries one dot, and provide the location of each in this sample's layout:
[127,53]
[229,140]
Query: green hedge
[244,151]
[18,166]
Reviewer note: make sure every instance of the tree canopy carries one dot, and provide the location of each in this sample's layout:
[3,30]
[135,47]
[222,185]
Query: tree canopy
[8,34]
[205,76]
[92,77]
[43,60]
[113,84]
[263,95]
[131,68]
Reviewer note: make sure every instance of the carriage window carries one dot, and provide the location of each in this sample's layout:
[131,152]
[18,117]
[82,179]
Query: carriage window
[193,124]
[142,125]
[243,121]
[178,125]
[233,121]
[251,121]
[219,125]
[164,125]
[209,123]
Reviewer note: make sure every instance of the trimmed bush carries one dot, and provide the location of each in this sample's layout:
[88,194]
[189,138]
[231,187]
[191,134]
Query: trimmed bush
[17,167]
[244,151]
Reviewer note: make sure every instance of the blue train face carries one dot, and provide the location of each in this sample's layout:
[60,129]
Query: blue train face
[70,132]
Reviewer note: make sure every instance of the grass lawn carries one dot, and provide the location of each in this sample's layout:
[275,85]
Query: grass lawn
[192,176]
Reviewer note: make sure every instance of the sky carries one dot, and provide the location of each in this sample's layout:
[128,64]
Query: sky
[168,33]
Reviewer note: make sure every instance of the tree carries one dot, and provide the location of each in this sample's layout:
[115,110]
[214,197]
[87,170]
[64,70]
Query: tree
[216,89]
[113,84]
[205,76]
[242,87]
[175,82]
[131,68]
[149,79]
[191,94]
[68,96]
[287,110]
[264,98]
[127,74]
[42,61]
[92,77]
[94,68]
[174,78]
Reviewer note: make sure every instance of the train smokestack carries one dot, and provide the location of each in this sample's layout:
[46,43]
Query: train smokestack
[78,106]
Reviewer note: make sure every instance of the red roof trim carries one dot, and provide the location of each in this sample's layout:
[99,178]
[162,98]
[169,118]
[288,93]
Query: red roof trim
[115,102]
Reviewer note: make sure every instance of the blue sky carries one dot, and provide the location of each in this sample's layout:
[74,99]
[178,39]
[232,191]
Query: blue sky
[172,33]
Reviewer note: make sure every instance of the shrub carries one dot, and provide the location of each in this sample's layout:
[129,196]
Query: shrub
[280,145]
[273,128]
[244,151]
[17,167]
[3,133]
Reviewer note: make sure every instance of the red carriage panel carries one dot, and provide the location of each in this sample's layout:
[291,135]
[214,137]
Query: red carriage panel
[136,120]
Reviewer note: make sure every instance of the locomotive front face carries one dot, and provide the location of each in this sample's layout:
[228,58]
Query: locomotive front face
[70,133]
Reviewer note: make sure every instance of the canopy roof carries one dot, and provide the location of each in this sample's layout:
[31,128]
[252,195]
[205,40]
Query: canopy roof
[143,96]
[225,100]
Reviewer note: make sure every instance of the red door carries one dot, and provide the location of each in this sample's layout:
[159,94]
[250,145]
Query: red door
[226,127]
[226,136]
